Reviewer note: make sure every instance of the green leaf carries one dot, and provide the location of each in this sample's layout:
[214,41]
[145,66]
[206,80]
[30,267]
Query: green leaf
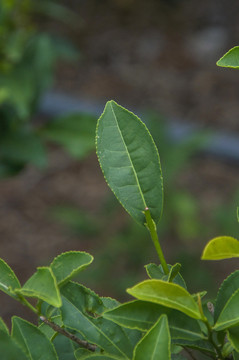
[35,344]
[42,285]
[8,280]
[222,247]
[47,330]
[3,326]
[69,264]
[78,313]
[167,294]
[75,132]
[235,355]
[64,347]
[201,345]
[142,315]
[229,316]
[156,272]
[156,341]
[10,349]
[130,162]
[233,337]
[230,59]
[98,356]
[229,286]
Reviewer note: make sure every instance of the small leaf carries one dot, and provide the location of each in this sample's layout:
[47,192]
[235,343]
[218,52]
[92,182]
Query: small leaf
[3,326]
[167,294]
[142,315]
[222,247]
[229,286]
[10,349]
[130,162]
[230,59]
[8,280]
[156,272]
[233,337]
[156,341]
[42,285]
[229,316]
[201,345]
[99,356]
[69,264]
[32,340]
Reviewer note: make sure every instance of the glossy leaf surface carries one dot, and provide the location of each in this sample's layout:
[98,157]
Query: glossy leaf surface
[34,343]
[222,247]
[130,162]
[69,264]
[8,280]
[42,285]
[156,342]
[167,294]
[230,59]
[142,315]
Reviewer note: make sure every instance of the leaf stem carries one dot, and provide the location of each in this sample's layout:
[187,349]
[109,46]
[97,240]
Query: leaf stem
[66,333]
[150,224]
[25,302]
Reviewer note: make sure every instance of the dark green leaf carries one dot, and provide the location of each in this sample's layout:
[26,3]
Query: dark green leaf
[3,326]
[10,349]
[229,315]
[130,162]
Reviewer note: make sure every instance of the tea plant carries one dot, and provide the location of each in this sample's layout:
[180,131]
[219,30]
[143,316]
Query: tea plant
[164,321]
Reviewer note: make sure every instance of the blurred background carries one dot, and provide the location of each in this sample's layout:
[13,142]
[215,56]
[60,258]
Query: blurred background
[60,61]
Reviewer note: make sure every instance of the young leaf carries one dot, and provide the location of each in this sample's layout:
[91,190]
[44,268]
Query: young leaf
[42,285]
[222,247]
[69,264]
[8,280]
[156,272]
[32,340]
[167,294]
[230,59]
[130,162]
[227,289]
[10,349]
[142,315]
[156,341]
[233,337]
[78,310]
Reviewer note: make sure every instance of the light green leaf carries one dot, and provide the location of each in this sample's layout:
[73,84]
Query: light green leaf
[75,132]
[130,162]
[8,280]
[166,294]
[69,264]
[229,286]
[35,344]
[156,341]
[142,315]
[156,272]
[10,349]
[80,305]
[230,59]
[233,337]
[222,247]
[229,316]
[42,285]
[3,326]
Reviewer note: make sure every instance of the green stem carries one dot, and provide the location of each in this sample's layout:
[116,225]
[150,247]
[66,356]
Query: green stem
[154,236]
[211,340]
[25,302]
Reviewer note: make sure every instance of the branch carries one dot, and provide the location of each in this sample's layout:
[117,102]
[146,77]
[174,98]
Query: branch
[66,333]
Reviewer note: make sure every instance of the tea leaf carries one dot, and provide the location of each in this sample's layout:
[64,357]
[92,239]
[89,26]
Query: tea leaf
[142,315]
[233,337]
[230,59]
[10,349]
[167,294]
[222,247]
[8,280]
[32,340]
[42,285]
[156,272]
[3,326]
[229,286]
[69,264]
[130,162]
[156,341]
[229,316]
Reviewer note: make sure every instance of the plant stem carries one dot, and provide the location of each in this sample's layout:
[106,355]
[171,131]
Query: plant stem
[211,340]
[150,224]
[25,302]
[66,333]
